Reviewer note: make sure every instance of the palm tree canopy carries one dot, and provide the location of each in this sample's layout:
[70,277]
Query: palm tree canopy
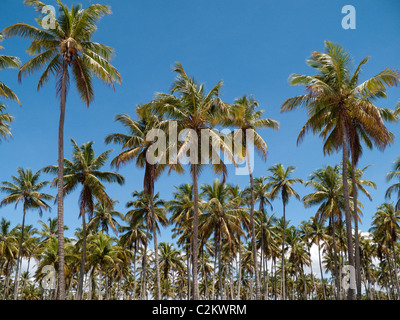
[26,188]
[335,96]
[85,169]
[281,184]
[70,42]
[8,62]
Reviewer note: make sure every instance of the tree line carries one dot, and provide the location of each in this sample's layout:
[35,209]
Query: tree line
[340,109]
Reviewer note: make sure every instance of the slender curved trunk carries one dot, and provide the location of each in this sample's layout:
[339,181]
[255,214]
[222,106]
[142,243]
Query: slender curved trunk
[195,232]
[356,238]
[240,269]
[219,251]
[320,269]
[188,267]
[6,278]
[157,264]
[83,255]
[337,279]
[143,289]
[283,291]
[396,278]
[350,251]
[60,193]
[253,230]
[134,271]
[155,249]
[16,279]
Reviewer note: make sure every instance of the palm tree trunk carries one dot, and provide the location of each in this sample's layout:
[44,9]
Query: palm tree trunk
[6,278]
[195,247]
[83,256]
[351,291]
[219,251]
[19,257]
[253,229]
[134,272]
[283,293]
[240,268]
[188,268]
[356,241]
[144,266]
[155,249]
[337,279]
[320,268]
[60,193]
[100,284]
[395,270]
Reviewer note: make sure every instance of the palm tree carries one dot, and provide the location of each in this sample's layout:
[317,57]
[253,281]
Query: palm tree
[181,208]
[220,217]
[104,215]
[317,234]
[5,120]
[136,145]
[195,113]
[342,110]
[281,185]
[6,62]
[386,225]
[49,232]
[103,253]
[85,170]
[170,259]
[358,183]
[134,237]
[394,174]
[328,194]
[8,251]
[244,115]
[26,189]
[152,211]
[67,46]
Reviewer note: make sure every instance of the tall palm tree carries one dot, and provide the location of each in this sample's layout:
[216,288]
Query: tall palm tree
[281,185]
[342,111]
[244,115]
[135,145]
[85,170]
[25,188]
[67,47]
[195,113]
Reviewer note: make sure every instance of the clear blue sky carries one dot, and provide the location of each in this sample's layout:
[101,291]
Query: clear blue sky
[252,46]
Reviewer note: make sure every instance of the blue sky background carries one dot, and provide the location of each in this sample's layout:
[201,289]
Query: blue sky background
[253,46]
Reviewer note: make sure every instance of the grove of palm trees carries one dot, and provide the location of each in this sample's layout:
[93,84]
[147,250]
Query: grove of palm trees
[98,219]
